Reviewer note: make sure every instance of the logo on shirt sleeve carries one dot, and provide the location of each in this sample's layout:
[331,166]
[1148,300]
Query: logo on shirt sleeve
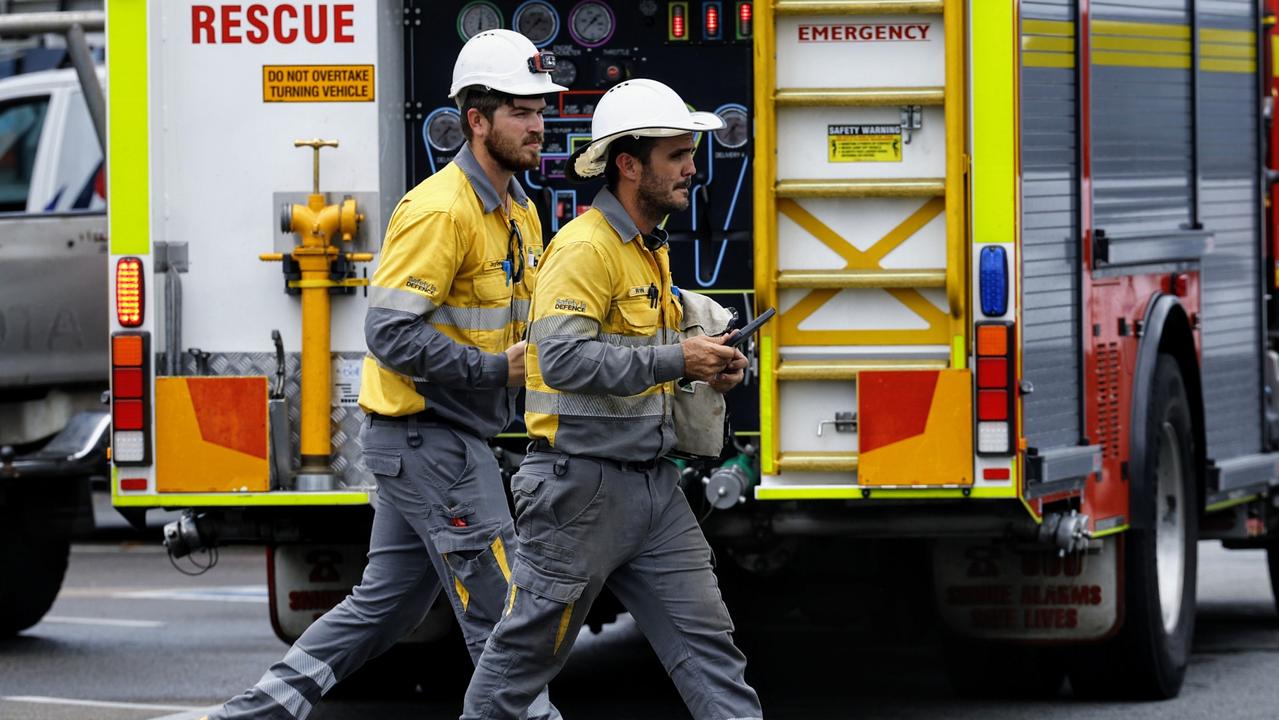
[570,305]
[421,285]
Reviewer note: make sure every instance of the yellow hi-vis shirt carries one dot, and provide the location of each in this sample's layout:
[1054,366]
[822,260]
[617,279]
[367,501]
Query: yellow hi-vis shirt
[444,302]
[603,346]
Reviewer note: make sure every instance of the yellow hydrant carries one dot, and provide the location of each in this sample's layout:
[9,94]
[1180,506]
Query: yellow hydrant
[316,224]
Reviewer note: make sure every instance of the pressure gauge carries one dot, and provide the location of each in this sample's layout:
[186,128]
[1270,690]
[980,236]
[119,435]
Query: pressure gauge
[537,21]
[736,130]
[591,23]
[476,17]
[444,130]
[565,72]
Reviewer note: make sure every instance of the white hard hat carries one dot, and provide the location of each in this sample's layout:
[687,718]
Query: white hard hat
[506,61]
[640,107]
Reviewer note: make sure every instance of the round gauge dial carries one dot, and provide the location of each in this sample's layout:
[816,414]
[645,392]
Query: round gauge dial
[444,130]
[591,23]
[736,130]
[476,17]
[565,72]
[537,21]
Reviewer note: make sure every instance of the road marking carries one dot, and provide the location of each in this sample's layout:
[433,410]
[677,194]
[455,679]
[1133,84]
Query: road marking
[224,593]
[227,593]
[121,549]
[110,622]
[197,714]
[42,700]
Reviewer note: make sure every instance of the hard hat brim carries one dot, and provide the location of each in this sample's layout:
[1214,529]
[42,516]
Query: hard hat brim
[589,161]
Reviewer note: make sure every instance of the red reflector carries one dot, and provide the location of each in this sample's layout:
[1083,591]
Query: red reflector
[126,415]
[128,291]
[133,484]
[992,404]
[126,350]
[126,383]
[996,474]
[992,372]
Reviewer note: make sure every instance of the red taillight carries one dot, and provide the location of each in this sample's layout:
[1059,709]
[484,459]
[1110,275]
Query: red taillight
[126,382]
[127,415]
[128,291]
[996,389]
[992,372]
[131,402]
[992,405]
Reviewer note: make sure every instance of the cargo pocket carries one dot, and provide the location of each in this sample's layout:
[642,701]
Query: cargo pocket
[635,316]
[382,464]
[544,586]
[479,569]
[492,286]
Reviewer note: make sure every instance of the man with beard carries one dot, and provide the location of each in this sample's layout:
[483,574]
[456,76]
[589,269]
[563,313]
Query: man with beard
[596,504]
[447,308]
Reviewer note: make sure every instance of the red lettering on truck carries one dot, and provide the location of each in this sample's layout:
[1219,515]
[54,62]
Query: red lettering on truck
[234,24]
[878,32]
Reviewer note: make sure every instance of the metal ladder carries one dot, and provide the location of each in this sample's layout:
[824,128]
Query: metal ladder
[774,197]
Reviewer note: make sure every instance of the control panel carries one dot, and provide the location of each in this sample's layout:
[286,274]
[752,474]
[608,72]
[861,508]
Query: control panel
[701,48]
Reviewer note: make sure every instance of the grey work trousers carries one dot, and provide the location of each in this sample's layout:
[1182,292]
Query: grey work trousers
[584,523]
[440,513]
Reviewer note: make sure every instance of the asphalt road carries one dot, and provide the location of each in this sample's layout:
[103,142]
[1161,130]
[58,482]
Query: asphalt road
[130,638]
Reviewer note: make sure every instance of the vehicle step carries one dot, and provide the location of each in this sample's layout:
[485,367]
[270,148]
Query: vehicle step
[858,7]
[791,370]
[817,462]
[875,278]
[859,97]
[862,188]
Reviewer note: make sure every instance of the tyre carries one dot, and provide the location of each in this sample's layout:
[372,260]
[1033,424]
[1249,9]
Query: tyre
[31,572]
[1272,558]
[1147,659]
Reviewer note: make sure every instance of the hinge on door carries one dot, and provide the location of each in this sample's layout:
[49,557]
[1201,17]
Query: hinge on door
[912,119]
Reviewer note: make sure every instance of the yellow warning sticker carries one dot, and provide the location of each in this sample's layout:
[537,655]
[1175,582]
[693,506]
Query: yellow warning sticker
[863,143]
[317,83]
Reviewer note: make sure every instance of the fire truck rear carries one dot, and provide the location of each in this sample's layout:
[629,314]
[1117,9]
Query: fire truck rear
[1019,251]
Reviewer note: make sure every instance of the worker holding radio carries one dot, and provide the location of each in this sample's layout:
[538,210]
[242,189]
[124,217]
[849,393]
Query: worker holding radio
[596,503]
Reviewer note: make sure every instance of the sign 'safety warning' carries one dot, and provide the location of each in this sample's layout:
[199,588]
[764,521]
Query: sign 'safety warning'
[863,143]
[317,83]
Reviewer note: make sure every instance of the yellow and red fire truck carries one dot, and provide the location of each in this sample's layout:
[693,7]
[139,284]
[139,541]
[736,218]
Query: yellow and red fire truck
[1020,252]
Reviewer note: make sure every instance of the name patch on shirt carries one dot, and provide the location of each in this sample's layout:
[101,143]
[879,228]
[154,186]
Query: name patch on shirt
[570,305]
[421,285]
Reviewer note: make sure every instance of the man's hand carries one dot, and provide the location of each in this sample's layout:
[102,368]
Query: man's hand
[706,357]
[731,376]
[515,364]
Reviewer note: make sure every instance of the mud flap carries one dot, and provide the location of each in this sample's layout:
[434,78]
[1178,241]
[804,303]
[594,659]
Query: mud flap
[995,590]
[306,581]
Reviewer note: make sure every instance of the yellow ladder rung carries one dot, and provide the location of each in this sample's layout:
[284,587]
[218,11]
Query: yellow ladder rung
[859,188]
[791,370]
[817,462]
[858,7]
[859,97]
[876,278]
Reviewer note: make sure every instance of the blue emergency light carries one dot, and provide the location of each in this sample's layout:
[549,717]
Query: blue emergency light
[993,281]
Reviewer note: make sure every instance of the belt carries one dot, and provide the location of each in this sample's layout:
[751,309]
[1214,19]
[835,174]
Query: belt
[425,417]
[541,445]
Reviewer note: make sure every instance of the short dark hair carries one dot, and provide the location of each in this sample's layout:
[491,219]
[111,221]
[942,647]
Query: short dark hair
[483,99]
[641,148]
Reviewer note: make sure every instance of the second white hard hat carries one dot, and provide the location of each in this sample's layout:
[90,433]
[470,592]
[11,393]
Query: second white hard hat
[639,107]
[506,61]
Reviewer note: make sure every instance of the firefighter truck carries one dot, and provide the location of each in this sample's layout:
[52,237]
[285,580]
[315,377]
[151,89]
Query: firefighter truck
[1022,254]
